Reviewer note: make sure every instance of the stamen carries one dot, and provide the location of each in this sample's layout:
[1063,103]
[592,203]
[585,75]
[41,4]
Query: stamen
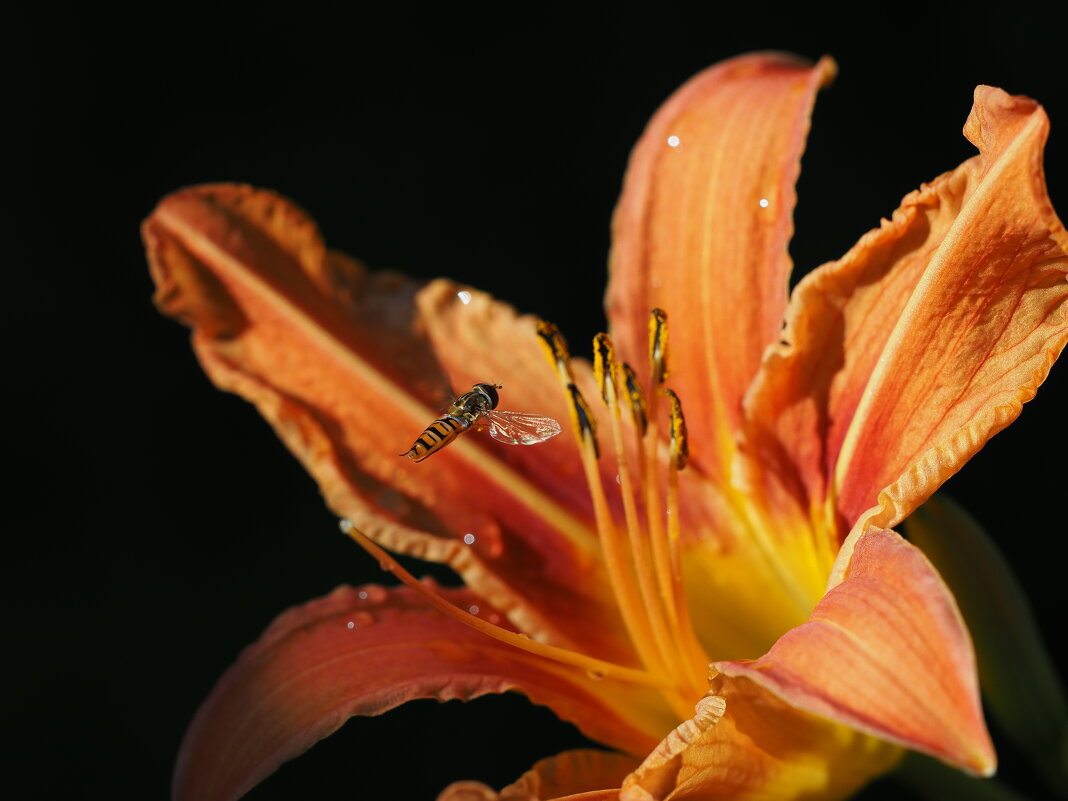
[666,545]
[679,455]
[606,369]
[658,369]
[620,576]
[589,664]
[646,604]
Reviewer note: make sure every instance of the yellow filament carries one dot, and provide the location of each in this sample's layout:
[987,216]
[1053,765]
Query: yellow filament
[619,574]
[691,650]
[605,368]
[562,655]
[658,370]
[649,605]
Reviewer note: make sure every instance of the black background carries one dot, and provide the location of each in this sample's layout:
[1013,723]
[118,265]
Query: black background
[158,525]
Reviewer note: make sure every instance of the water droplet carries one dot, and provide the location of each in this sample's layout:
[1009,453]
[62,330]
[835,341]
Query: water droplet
[763,202]
[619,479]
[473,609]
[345,525]
[351,624]
[596,675]
[469,538]
[384,565]
[464,296]
[673,141]
[372,593]
[494,618]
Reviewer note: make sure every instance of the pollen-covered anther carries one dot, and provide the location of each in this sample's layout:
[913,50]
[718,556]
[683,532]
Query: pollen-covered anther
[636,398]
[582,418]
[604,367]
[658,347]
[680,448]
[555,347]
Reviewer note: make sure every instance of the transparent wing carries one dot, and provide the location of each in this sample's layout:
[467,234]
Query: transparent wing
[518,428]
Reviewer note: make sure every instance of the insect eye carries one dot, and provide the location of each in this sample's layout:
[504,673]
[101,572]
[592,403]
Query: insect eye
[490,391]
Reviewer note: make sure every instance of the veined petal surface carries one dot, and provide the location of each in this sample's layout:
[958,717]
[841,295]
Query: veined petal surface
[885,652]
[901,359]
[362,652]
[701,231]
[349,368]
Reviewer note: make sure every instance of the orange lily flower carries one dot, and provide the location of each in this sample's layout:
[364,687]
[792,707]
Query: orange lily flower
[749,628]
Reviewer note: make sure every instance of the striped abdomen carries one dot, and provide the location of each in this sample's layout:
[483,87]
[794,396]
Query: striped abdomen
[435,437]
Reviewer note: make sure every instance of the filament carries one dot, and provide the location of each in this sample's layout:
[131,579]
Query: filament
[562,655]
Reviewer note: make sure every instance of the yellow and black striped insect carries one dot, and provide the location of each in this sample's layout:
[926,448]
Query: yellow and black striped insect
[475,408]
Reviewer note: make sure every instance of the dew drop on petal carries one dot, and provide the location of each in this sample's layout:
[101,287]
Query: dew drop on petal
[473,609]
[469,538]
[464,296]
[763,202]
[373,593]
[351,624]
[673,141]
[345,525]
[494,618]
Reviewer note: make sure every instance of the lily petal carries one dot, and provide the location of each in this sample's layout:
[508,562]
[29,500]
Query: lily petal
[363,652]
[579,775]
[762,748]
[350,366]
[885,652]
[925,339]
[702,227]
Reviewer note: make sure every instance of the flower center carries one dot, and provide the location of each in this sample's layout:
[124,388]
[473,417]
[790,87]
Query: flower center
[644,565]
[642,553]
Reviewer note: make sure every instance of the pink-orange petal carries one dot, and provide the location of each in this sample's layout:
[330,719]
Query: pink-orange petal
[701,231]
[886,652]
[580,775]
[363,652]
[760,749]
[350,366]
[925,339]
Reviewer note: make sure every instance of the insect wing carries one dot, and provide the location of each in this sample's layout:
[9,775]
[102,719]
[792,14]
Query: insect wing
[518,428]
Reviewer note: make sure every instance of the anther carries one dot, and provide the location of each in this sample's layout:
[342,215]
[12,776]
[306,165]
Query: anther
[603,365]
[582,418]
[555,347]
[636,398]
[680,449]
[658,346]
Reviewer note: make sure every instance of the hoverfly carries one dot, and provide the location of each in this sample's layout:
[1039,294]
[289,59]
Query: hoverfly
[475,408]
